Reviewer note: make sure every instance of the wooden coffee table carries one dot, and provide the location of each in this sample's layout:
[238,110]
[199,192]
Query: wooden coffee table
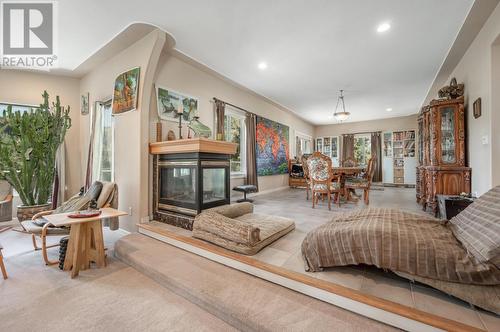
[86,242]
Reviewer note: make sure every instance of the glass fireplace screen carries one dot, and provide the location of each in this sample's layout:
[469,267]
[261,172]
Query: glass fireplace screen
[189,186]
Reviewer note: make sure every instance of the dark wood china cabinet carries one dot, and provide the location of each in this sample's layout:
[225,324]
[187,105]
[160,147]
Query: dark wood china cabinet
[442,166]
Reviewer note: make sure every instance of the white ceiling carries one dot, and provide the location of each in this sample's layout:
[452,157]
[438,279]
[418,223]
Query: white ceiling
[313,48]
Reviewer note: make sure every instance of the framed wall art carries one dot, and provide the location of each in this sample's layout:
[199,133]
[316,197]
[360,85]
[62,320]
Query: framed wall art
[126,91]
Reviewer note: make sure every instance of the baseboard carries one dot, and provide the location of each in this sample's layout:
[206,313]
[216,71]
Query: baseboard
[268,191]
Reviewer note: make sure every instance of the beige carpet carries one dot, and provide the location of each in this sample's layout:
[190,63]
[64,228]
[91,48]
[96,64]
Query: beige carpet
[117,298]
[242,300]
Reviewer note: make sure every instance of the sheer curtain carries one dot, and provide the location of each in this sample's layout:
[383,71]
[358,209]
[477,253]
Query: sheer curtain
[102,145]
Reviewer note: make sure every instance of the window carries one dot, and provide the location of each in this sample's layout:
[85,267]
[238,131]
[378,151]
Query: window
[103,148]
[362,149]
[302,145]
[234,130]
[15,108]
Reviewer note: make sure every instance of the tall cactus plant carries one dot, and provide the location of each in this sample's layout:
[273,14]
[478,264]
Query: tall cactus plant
[29,143]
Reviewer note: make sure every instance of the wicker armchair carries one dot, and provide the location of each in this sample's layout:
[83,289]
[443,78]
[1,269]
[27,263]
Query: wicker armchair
[322,179]
[365,182]
[5,201]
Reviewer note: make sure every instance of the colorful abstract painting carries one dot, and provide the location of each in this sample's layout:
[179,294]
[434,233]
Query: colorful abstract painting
[126,91]
[272,147]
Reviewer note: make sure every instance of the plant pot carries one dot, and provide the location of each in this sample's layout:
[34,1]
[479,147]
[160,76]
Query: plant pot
[25,212]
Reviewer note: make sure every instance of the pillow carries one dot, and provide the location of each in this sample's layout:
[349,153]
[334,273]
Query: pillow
[478,227]
[227,228]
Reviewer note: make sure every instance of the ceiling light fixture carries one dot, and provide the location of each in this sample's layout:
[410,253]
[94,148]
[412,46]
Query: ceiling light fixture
[262,65]
[383,27]
[341,116]
[388,109]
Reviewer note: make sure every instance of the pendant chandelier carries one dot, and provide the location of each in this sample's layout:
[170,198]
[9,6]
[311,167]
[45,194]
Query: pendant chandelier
[341,116]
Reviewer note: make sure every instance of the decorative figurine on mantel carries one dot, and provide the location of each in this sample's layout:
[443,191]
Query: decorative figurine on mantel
[199,129]
[171,135]
[180,111]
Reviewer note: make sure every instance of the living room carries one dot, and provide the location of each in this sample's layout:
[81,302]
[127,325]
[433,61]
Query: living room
[166,127]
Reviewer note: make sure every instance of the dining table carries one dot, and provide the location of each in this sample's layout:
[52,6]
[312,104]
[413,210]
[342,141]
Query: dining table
[344,172]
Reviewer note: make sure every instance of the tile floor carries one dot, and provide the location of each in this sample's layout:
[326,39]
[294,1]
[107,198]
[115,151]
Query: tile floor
[285,252]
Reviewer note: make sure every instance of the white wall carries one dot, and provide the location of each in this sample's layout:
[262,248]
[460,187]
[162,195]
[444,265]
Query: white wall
[475,71]
[390,124]
[131,128]
[177,73]
[21,87]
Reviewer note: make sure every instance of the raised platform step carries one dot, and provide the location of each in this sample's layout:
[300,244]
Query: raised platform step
[246,302]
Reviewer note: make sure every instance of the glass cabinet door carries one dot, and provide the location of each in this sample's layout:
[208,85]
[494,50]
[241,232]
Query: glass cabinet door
[387,144]
[448,154]
[420,142]
[335,147]
[327,147]
[319,145]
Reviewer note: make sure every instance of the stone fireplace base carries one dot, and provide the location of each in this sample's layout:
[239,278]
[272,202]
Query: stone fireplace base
[179,220]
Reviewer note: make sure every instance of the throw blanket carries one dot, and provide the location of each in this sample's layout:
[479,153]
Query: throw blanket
[396,240]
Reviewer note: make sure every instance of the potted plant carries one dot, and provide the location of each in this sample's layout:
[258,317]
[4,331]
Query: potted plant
[28,147]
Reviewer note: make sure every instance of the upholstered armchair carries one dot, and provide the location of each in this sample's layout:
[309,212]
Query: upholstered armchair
[322,179]
[5,201]
[364,183]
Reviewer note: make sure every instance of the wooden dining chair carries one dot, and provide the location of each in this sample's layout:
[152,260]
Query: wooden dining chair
[365,182]
[322,179]
[2,266]
[305,168]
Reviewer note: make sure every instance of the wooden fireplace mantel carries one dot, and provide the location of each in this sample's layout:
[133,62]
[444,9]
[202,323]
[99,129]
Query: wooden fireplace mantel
[192,145]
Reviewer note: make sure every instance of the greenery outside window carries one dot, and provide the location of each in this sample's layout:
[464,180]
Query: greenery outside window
[103,149]
[362,149]
[235,131]
[15,108]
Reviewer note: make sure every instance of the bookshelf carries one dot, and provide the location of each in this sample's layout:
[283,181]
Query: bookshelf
[399,157]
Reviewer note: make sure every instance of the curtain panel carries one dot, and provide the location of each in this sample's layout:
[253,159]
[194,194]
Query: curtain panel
[347,146]
[220,110]
[376,151]
[251,129]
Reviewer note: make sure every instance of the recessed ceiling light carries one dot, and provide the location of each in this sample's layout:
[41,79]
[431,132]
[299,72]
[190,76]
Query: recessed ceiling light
[388,109]
[383,27]
[262,65]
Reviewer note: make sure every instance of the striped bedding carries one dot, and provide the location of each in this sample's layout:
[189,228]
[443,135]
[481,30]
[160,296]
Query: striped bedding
[396,240]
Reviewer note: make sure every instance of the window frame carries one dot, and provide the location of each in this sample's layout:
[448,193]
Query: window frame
[233,113]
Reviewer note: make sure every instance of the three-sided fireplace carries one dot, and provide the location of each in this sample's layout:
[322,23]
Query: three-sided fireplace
[189,178]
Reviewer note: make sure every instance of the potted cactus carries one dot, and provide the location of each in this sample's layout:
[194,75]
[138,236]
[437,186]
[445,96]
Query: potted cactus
[28,147]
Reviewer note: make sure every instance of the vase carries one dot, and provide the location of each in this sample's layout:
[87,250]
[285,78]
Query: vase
[26,212]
